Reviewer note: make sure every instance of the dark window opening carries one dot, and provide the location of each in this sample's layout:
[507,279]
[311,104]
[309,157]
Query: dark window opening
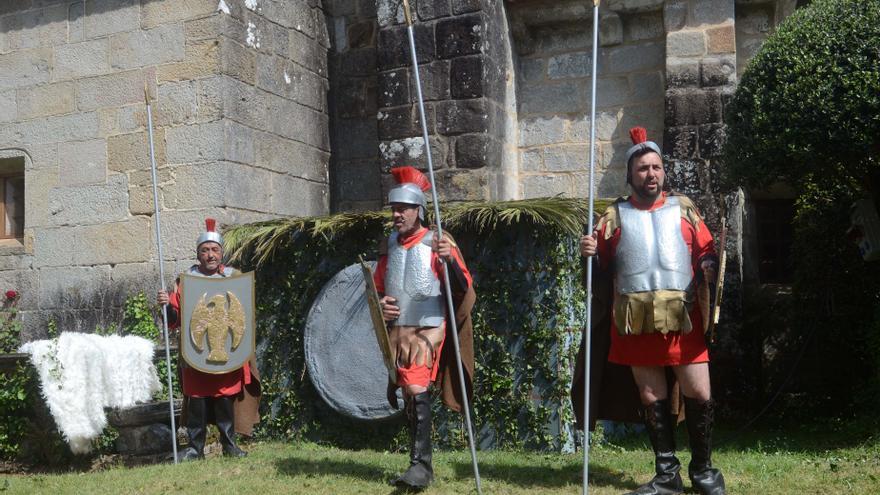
[11,198]
[775,233]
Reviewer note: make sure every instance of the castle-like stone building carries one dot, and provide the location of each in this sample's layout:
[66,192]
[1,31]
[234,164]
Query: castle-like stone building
[267,108]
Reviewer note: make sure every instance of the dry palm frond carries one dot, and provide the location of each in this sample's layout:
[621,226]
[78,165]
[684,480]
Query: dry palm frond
[260,241]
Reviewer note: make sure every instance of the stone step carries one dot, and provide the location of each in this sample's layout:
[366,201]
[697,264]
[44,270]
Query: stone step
[143,414]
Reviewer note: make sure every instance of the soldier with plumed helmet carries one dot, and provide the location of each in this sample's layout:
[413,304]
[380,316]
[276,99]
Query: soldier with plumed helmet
[408,279]
[656,254]
[229,400]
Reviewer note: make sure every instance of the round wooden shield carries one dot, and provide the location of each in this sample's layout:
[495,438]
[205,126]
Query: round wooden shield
[342,354]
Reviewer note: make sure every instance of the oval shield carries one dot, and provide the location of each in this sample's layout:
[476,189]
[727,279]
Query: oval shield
[217,327]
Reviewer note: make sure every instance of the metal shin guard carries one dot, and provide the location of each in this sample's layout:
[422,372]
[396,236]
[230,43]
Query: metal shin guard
[196,429]
[420,473]
[224,413]
[661,430]
[700,418]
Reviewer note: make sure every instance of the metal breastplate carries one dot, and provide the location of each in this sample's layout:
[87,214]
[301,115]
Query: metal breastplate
[652,254]
[410,279]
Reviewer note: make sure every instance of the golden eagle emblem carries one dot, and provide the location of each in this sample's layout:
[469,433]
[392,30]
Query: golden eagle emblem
[220,316]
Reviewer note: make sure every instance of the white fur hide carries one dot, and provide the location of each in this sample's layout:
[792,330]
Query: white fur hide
[81,374]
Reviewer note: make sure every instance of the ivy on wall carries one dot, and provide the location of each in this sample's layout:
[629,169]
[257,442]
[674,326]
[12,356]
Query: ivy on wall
[527,320]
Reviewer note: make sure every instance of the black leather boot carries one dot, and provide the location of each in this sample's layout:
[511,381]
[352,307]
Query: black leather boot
[420,473]
[224,414]
[700,418]
[661,430]
[196,429]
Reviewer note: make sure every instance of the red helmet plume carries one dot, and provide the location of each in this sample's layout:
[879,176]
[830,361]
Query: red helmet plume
[411,175]
[638,135]
[210,225]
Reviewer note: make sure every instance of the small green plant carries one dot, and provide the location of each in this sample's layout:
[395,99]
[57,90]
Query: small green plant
[10,325]
[52,328]
[139,318]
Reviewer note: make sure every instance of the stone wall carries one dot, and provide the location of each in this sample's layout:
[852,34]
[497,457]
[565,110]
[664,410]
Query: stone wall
[554,42]
[241,134]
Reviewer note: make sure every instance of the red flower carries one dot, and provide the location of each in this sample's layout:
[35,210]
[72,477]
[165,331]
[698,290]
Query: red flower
[11,294]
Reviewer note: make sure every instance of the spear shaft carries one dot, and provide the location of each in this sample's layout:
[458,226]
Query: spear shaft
[589,322]
[449,304]
[161,273]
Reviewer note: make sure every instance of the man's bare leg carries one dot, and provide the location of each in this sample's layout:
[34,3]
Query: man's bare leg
[700,414]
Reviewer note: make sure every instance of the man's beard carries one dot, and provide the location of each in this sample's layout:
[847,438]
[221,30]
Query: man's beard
[644,193]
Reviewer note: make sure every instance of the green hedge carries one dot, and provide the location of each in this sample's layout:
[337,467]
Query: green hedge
[527,321]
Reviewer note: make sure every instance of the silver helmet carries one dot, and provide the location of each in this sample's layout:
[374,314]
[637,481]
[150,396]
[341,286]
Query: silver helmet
[411,189]
[210,234]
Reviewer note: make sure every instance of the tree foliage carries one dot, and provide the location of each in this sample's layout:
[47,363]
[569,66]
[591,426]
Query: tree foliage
[809,102]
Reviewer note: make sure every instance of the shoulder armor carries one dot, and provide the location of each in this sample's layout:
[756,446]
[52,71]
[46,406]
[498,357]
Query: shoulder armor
[611,218]
[689,210]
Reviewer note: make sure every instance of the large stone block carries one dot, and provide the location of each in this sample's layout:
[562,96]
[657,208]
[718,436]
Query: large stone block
[690,107]
[675,15]
[40,27]
[567,158]
[467,77]
[115,89]
[628,58]
[188,102]
[566,65]
[70,127]
[54,246]
[300,123]
[248,188]
[357,98]
[239,143]
[357,181]
[541,186]
[73,287]
[476,151]
[25,68]
[393,48]
[532,70]
[89,204]
[634,5]
[541,131]
[304,51]
[84,162]
[139,48]
[285,155]
[713,11]
[195,143]
[647,115]
[132,151]
[37,192]
[685,44]
[437,77]
[606,127]
[8,106]
[76,60]
[718,71]
[201,59]
[141,440]
[238,61]
[400,122]
[465,6]
[394,90]
[428,10]
[648,26]
[298,197]
[46,100]
[459,36]
[563,97]
[356,138]
[362,34]
[712,139]
[462,116]
[721,39]
[462,185]
[532,160]
[647,86]
[682,72]
[681,142]
[110,243]
[209,179]
[164,12]
[685,176]
[103,17]
[389,13]
[411,152]
[284,78]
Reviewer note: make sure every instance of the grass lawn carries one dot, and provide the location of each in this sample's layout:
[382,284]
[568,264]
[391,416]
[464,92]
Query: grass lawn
[827,460]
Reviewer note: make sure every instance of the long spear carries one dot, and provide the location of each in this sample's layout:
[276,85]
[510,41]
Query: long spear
[161,272]
[449,305]
[589,324]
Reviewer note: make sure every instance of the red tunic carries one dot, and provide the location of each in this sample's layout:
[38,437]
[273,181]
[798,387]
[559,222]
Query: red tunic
[418,375]
[198,384]
[656,349]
